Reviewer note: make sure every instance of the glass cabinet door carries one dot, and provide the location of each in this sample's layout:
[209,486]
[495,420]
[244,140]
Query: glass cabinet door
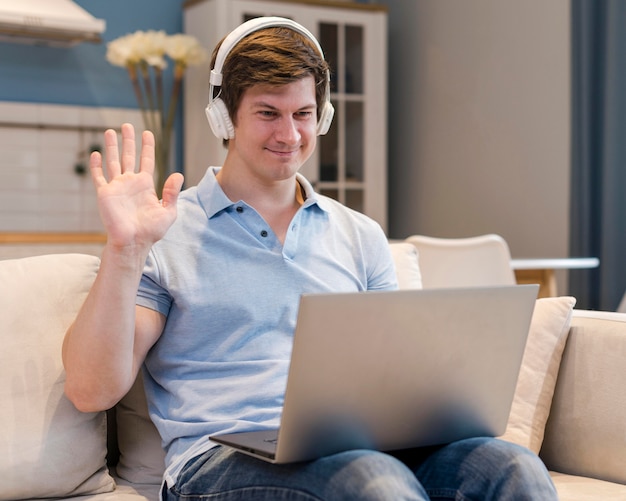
[341,173]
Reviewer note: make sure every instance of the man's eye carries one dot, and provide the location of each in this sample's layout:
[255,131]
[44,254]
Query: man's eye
[304,114]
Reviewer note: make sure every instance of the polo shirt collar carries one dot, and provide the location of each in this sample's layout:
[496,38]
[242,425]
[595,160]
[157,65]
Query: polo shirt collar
[214,200]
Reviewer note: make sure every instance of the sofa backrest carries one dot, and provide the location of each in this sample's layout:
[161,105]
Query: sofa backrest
[586,431]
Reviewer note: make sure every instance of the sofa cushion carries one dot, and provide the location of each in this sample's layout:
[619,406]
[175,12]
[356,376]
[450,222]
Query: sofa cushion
[540,365]
[586,431]
[49,449]
[124,491]
[142,458]
[574,488]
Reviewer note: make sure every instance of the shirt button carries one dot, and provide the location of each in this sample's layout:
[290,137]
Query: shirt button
[239,209]
[263,233]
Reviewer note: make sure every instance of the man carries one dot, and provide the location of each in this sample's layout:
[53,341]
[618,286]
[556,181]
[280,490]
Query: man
[202,292]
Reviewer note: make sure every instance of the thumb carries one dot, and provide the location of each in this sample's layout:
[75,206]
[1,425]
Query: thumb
[171,189]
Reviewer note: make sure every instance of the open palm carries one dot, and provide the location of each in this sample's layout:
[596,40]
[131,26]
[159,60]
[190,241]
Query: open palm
[129,208]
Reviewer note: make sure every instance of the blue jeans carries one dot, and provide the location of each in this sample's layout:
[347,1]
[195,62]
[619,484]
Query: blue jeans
[475,469]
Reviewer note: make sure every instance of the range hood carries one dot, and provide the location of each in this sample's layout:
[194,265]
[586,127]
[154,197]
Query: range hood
[55,23]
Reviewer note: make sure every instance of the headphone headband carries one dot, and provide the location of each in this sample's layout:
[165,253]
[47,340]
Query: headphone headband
[216,111]
[245,29]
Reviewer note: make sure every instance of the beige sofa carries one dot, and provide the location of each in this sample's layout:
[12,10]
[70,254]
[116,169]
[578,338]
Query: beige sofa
[51,450]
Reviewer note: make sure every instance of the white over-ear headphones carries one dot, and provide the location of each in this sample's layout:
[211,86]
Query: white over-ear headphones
[216,112]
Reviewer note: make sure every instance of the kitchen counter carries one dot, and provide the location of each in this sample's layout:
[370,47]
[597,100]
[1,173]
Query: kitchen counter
[22,244]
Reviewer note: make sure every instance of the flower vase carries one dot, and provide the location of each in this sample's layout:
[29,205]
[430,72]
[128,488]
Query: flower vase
[143,55]
[161,164]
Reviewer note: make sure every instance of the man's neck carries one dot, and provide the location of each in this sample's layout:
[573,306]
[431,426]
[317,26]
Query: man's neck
[277,202]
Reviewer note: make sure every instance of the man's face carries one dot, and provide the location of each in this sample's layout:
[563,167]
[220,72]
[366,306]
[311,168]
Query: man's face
[275,131]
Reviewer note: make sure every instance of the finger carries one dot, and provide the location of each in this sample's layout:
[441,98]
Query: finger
[171,189]
[95,165]
[112,153]
[129,149]
[146,160]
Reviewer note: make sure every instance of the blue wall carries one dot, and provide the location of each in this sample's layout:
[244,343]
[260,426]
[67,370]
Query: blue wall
[81,75]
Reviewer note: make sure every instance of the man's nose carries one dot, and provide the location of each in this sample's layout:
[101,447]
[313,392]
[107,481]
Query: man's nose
[288,131]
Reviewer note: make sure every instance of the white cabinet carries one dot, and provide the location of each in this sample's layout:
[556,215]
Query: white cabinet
[350,162]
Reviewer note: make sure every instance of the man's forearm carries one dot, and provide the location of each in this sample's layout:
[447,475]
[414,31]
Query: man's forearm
[99,347]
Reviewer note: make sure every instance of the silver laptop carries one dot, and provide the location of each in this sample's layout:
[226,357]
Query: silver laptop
[391,370]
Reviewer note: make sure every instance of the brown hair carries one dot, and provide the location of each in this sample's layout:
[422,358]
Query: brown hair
[274,56]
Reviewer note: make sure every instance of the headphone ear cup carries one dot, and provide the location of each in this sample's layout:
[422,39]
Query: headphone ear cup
[219,120]
[325,119]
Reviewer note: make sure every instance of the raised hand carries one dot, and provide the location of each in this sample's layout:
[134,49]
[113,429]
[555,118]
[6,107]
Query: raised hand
[129,208]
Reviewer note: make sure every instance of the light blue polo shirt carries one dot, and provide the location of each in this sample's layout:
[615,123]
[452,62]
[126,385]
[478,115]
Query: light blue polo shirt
[230,292]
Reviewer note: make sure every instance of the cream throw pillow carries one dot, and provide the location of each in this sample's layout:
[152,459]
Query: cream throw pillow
[47,447]
[406,262]
[540,366]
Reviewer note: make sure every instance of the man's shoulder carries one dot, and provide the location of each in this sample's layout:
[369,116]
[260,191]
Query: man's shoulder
[339,210]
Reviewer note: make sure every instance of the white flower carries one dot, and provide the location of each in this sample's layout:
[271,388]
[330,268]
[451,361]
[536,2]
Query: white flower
[120,52]
[143,55]
[147,46]
[185,50]
[151,44]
